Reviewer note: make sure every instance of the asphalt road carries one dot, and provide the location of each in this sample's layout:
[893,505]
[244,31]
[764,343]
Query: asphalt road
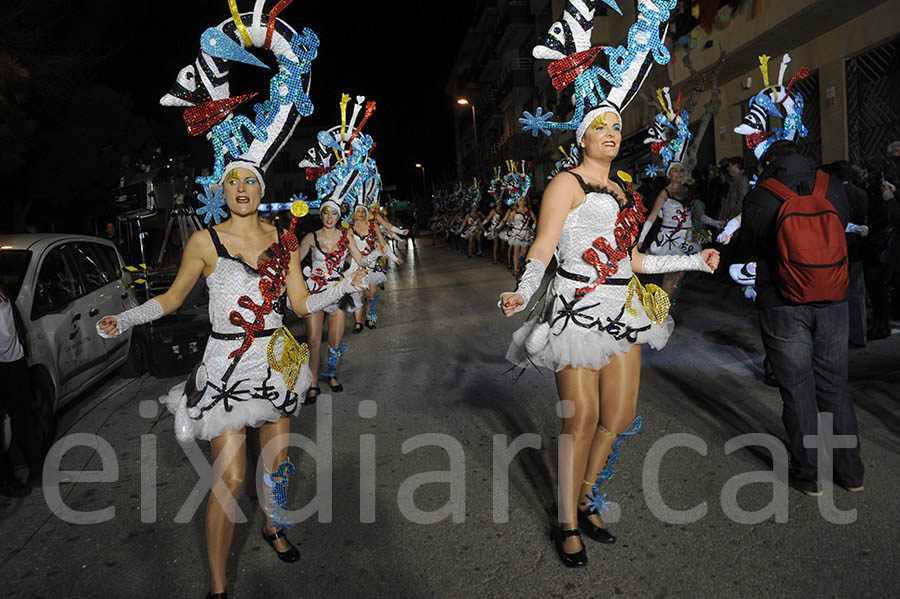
[445,409]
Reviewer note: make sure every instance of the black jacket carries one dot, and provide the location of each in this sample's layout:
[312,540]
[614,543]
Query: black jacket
[760,211]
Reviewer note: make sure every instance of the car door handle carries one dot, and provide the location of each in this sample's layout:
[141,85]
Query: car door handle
[94,312]
[76,318]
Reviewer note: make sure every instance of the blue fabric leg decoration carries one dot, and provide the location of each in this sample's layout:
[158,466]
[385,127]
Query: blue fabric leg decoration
[371,315]
[597,502]
[276,497]
[334,356]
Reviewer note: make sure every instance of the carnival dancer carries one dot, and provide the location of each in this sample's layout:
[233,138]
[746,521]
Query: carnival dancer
[471,228]
[253,373]
[597,314]
[372,246]
[331,248]
[674,207]
[491,222]
[523,223]
[344,173]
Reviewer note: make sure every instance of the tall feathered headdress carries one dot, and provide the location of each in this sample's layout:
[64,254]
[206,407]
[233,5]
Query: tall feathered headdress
[202,89]
[610,86]
[778,101]
[340,162]
[669,134]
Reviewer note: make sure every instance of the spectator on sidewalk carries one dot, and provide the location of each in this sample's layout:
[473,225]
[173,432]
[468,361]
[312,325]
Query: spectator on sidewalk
[804,326]
[738,187]
[881,243]
[16,399]
[857,230]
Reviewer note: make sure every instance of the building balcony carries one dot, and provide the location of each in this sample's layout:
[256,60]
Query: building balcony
[517,26]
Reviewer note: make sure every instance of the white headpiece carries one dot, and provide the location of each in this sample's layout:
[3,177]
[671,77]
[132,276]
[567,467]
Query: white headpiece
[599,90]
[202,88]
[669,133]
[769,102]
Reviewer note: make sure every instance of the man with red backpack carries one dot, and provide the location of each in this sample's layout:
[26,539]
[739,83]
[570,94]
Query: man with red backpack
[793,223]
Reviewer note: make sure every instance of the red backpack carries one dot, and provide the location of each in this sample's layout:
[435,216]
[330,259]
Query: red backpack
[812,245]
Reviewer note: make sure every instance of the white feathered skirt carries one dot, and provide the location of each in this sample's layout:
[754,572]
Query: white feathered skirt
[589,332]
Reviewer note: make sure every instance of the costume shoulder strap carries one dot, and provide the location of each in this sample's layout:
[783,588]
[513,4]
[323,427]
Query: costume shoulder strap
[584,186]
[220,249]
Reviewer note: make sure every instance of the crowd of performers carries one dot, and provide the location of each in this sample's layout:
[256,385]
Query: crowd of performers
[505,220]
[598,232]
[595,230]
[253,372]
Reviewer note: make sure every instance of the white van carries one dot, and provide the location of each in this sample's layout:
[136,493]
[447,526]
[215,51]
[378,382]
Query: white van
[62,284]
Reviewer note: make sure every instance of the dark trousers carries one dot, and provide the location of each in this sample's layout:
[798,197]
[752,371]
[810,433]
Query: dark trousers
[807,347]
[877,280]
[16,400]
[856,304]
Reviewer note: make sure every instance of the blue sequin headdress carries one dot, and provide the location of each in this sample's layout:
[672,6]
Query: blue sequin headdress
[669,134]
[777,101]
[495,188]
[473,195]
[517,183]
[598,90]
[202,88]
[340,163]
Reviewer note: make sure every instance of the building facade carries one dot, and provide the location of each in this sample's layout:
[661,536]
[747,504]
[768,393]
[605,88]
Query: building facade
[852,50]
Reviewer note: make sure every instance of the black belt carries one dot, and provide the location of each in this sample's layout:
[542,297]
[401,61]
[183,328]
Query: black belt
[236,336]
[585,279]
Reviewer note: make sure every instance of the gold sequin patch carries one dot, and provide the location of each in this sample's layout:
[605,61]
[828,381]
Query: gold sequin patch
[293,356]
[652,297]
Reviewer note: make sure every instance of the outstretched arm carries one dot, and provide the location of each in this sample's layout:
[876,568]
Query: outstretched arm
[192,265]
[559,197]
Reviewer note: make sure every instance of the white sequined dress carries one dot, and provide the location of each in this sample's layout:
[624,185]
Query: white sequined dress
[522,230]
[492,229]
[368,246]
[327,269]
[676,235]
[232,393]
[586,332]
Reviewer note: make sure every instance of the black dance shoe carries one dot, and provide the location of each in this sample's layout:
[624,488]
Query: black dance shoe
[357,328]
[289,556]
[335,388]
[597,533]
[371,324]
[569,560]
[311,399]
[217,596]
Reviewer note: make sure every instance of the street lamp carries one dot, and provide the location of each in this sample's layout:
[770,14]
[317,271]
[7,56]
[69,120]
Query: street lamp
[465,102]
[424,191]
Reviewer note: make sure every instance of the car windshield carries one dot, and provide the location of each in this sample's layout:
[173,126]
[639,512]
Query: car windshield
[13,264]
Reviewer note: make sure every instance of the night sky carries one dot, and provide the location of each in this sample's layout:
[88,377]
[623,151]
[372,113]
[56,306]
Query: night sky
[395,53]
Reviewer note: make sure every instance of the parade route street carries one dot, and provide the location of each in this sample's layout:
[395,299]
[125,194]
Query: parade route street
[435,366]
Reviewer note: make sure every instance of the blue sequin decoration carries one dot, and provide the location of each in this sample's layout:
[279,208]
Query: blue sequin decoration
[212,205]
[216,43]
[595,501]
[277,495]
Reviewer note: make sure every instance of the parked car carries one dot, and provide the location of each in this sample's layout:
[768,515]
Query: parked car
[61,285]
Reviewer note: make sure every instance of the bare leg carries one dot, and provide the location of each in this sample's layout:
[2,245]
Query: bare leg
[336,323]
[273,441]
[496,243]
[581,387]
[471,244]
[619,381]
[314,323]
[229,476]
